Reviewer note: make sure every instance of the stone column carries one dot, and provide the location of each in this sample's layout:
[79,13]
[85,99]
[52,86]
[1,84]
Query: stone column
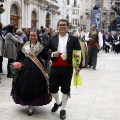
[26,15]
[23,14]
[29,16]
[27,12]
[8,11]
[44,18]
[55,20]
[51,18]
[39,17]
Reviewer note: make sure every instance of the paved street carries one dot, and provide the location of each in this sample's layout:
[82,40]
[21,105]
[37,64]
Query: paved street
[97,99]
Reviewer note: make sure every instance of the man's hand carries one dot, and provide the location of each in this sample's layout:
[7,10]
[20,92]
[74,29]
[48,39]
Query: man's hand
[90,39]
[77,70]
[56,54]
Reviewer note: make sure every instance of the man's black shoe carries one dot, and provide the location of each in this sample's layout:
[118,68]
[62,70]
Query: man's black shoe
[62,114]
[94,68]
[55,107]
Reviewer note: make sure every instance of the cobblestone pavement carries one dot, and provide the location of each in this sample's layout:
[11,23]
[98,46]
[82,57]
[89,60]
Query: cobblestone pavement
[97,99]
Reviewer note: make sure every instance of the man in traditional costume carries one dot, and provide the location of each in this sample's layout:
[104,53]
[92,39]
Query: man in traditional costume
[81,36]
[62,46]
[95,41]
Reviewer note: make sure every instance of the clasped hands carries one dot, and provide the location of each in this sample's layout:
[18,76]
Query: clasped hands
[56,54]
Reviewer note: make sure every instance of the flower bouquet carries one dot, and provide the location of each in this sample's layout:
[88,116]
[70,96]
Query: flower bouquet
[76,59]
[16,68]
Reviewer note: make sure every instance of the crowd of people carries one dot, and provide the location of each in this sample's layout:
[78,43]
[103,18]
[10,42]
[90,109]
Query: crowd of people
[111,41]
[37,50]
[46,59]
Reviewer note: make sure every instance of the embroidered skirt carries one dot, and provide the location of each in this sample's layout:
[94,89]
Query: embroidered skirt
[30,87]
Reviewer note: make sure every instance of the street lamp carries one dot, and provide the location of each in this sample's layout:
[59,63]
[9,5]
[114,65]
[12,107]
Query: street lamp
[1,3]
[1,9]
[48,9]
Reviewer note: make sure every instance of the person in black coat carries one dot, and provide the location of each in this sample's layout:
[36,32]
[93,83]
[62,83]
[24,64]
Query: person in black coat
[108,41]
[117,42]
[44,37]
[1,48]
[62,46]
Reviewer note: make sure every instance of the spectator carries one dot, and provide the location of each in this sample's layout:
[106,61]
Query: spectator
[1,49]
[10,51]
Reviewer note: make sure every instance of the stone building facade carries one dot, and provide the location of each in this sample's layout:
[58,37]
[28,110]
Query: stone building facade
[108,15]
[30,13]
[73,11]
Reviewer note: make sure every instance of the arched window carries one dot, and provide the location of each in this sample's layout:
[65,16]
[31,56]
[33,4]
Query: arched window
[14,10]
[68,2]
[14,15]
[34,19]
[34,15]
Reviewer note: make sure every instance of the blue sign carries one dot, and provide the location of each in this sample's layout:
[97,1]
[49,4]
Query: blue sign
[95,18]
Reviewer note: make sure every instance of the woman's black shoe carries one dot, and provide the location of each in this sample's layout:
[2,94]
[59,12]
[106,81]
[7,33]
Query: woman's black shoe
[30,113]
[9,76]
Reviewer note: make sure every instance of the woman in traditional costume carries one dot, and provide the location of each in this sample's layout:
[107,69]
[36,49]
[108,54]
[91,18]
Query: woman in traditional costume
[30,87]
[81,36]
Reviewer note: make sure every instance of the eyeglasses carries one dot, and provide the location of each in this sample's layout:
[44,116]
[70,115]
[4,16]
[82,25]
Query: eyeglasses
[32,35]
[62,25]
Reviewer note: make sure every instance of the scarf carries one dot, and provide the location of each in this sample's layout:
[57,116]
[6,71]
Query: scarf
[28,48]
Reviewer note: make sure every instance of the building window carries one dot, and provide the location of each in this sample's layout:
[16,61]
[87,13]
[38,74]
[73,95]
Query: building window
[76,21]
[68,2]
[14,10]
[74,3]
[73,11]
[76,11]
[34,16]
[14,15]
[34,19]
[73,21]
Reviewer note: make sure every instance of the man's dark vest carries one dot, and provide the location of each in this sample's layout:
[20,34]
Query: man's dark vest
[94,36]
